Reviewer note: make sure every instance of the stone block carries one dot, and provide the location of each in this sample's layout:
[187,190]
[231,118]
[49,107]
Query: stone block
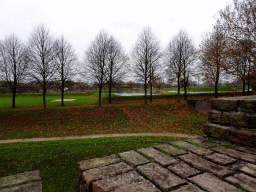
[96,162]
[242,137]
[239,120]
[217,131]
[133,158]
[195,149]
[215,116]
[248,106]
[157,156]
[19,179]
[183,170]
[35,186]
[241,180]
[160,176]
[247,168]
[203,106]
[204,165]
[224,104]
[245,149]
[203,141]
[190,188]
[142,186]
[170,149]
[220,159]
[236,154]
[105,172]
[107,185]
[210,183]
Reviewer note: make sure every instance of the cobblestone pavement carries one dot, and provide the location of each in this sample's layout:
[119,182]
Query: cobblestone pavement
[192,165]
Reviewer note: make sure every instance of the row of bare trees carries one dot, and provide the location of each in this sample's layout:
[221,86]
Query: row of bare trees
[231,47]
[42,59]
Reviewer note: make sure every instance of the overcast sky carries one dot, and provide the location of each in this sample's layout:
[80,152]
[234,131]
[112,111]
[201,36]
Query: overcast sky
[81,20]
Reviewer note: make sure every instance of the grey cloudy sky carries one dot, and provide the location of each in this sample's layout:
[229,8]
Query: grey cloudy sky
[81,20]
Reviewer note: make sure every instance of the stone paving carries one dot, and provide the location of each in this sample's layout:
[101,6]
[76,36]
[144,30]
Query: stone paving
[193,165]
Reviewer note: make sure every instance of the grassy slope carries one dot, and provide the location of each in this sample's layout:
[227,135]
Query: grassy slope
[128,117]
[57,161]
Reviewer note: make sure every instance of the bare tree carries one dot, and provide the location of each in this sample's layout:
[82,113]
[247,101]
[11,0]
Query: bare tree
[96,60]
[212,55]
[146,55]
[116,64]
[179,57]
[42,58]
[239,23]
[13,63]
[65,59]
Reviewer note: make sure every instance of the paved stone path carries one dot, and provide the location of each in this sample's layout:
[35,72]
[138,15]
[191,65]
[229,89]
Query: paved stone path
[98,136]
[192,165]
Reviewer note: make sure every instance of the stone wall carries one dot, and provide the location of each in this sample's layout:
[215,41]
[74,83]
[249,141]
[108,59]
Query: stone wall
[233,119]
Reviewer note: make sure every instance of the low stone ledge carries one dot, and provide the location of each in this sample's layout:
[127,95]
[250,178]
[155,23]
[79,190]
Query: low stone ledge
[21,182]
[215,116]
[217,131]
[241,136]
[222,104]
[239,120]
[244,181]
[248,106]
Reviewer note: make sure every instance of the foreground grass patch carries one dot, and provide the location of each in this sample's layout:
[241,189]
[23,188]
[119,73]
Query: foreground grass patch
[57,161]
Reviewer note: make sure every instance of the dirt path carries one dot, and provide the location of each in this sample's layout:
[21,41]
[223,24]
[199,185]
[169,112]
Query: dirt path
[98,136]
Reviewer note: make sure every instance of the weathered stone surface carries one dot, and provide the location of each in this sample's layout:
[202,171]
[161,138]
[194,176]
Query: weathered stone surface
[245,149]
[220,159]
[183,170]
[96,162]
[192,148]
[217,131]
[160,176]
[224,104]
[142,186]
[242,137]
[157,156]
[19,179]
[238,119]
[248,168]
[205,165]
[248,106]
[103,173]
[203,141]
[241,180]
[170,149]
[110,184]
[133,158]
[203,106]
[190,188]
[212,184]
[236,154]
[35,186]
[215,116]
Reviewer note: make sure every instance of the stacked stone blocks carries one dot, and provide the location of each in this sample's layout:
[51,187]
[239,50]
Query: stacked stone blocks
[233,119]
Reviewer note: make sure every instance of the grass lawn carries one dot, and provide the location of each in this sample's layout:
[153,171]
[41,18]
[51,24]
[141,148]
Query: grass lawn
[57,161]
[36,100]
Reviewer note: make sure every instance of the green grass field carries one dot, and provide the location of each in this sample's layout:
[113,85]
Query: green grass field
[57,161]
[36,100]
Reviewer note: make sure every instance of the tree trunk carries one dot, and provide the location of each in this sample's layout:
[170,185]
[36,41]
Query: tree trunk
[185,91]
[62,96]
[178,89]
[216,89]
[44,92]
[145,89]
[243,85]
[151,97]
[109,91]
[100,90]
[13,96]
